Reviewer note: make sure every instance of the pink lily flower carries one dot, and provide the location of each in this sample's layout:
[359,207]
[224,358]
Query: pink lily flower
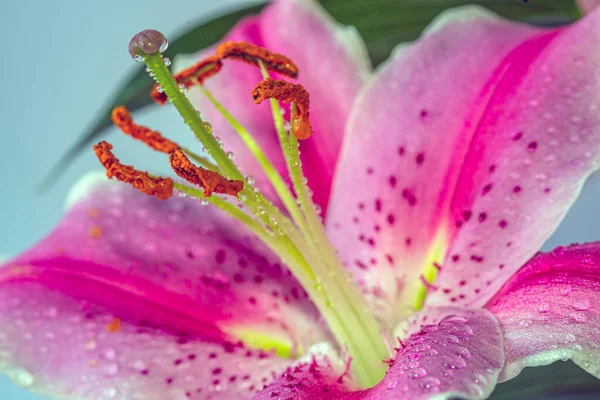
[442,173]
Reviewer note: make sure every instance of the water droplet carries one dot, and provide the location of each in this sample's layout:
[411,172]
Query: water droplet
[452,339]
[111,369]
[90,344]
[410,364]
[159,89]
[422,347]
[110,393]
[430,384]
[416,373]
[430,328]
[51,312]
[110,354]
[138,58]
[207,127]
[579,317]
[582,304]
[565,290]
[462,351]
[230,155]
[431,353]
[524,323]
[204,202]
[182,88]
[455,363]
[22,377]
[453,319]
[167,61]
[462,330]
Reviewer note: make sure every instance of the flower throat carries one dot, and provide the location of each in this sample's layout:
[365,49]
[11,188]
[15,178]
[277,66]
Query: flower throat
[297,235]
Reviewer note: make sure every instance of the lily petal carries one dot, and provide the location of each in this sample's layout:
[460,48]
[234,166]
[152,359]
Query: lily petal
[320,47]
[461,356]
[464,154]
[60,346]
[536,142]
[172,269]
[405,142]
[550,310]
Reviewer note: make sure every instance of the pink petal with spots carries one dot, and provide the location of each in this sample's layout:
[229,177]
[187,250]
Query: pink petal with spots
[58,345]
[304,32]
[401,159]
[550,310]
[175,266]
[588,5]
[461,356]
[535,140]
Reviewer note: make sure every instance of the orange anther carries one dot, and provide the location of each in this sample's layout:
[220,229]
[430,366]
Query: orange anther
[114,325]
[209,180]
[197,73]
[122,119]
[159,187]
[95,232]
[287,92]
[252,54]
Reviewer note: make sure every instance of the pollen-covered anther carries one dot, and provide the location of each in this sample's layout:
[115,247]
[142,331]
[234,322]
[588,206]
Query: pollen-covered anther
[123,120]
[253,54]
[210,181]
[158,187]
[287,92]
[197,73]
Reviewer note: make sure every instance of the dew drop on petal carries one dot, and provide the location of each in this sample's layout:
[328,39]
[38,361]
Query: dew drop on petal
[417,373]
[582,304]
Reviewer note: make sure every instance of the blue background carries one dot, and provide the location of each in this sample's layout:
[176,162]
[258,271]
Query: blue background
[61,61]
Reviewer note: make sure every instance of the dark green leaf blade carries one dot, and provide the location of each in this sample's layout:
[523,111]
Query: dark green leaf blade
[382,24]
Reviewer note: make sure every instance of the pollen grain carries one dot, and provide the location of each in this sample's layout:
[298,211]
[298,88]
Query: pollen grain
[251,54]
[210,181]
[197,73]
[122,119]
[287,92]
[158,187]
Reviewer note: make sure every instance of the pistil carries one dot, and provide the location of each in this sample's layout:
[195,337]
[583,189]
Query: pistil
[302,244]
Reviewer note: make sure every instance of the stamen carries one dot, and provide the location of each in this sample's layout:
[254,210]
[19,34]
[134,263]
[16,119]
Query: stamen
[252,54]
[287,92]
[123,120]
[159,187]
[209,180]
[197,73]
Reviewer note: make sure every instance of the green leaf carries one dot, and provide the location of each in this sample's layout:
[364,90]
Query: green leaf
[557,381]
[382,24]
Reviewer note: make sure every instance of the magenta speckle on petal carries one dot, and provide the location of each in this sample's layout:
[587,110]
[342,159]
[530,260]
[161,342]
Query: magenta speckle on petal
[517,136]
[409,196]
[532,146]
[420,158]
